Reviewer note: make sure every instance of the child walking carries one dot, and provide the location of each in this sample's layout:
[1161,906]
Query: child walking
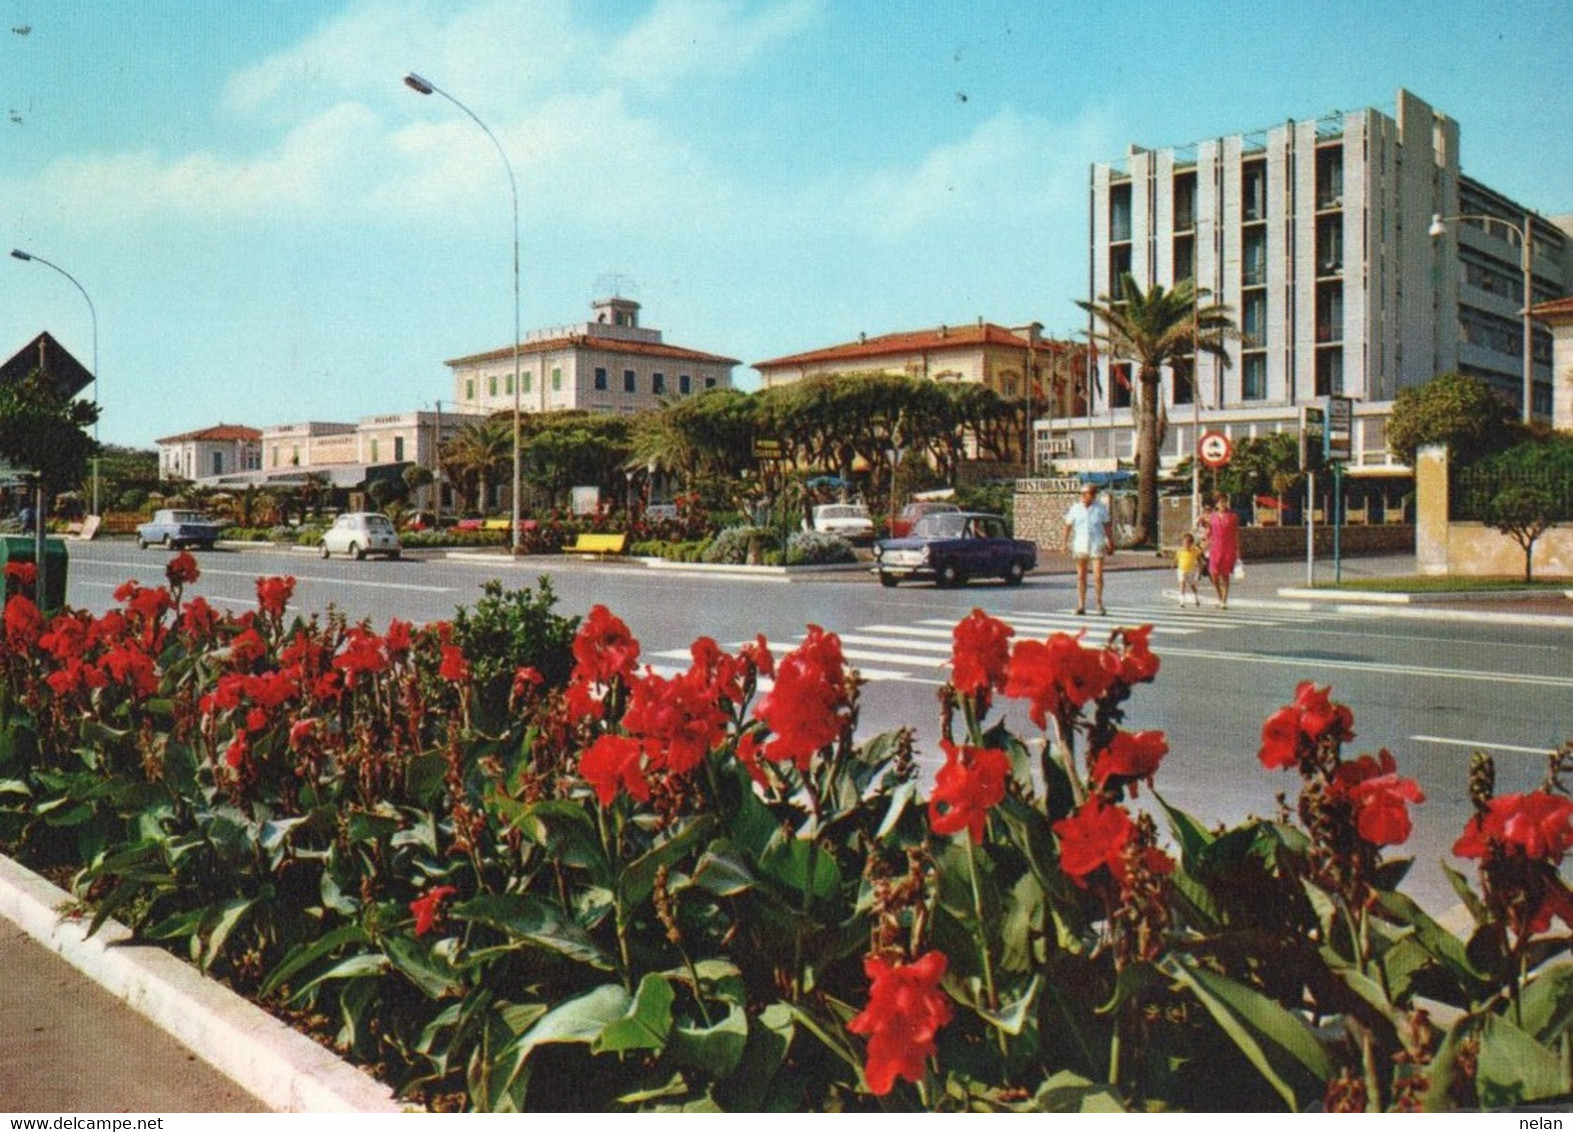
[1187,565]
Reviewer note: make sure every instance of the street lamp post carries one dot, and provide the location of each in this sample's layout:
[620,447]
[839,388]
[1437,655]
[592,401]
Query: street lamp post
[28,257]
[424,86]
[1527,266]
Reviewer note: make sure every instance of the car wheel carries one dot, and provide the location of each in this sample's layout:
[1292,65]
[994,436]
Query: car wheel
[393,556]
[169,542]
[948,576]
[323,549]
[141,543]
[1014,573]
[887,580]
[357,553]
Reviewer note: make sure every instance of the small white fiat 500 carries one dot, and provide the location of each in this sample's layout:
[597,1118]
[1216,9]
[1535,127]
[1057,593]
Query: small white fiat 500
[360,533]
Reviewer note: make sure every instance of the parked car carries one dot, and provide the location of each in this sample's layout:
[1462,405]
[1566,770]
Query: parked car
[901,525]
[952,548]
[173,528]
[849,520]
[420,521]
[360,533]
[470,522]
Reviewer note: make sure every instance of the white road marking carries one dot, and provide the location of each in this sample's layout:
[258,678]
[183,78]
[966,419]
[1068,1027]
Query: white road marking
[1480,746]
[1347,665]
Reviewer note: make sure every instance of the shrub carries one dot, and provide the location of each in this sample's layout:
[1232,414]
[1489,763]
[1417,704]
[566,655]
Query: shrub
[733,545]
[814,548]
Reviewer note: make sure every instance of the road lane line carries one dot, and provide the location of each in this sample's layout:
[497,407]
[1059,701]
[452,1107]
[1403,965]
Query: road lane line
[1345,664]
[1481,746]
[302,578]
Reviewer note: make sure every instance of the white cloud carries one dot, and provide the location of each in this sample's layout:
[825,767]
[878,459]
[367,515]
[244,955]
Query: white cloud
[680,38]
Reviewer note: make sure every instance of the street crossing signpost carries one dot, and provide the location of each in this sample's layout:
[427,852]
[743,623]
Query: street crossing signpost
[1337,444]
[1313,441]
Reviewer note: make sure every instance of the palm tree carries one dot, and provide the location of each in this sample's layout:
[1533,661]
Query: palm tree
[1153,329]
[480,449]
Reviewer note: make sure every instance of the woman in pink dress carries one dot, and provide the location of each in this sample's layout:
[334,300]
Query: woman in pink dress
[1223,546]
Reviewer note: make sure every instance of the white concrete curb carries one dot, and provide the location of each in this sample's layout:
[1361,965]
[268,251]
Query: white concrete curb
[285,1070]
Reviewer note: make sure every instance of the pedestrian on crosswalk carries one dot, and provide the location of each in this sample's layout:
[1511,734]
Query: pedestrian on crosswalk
[1187,568]
[1089,536]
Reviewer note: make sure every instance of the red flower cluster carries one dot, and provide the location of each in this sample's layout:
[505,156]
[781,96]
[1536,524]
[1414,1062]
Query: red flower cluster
[808,707]
[22,575]
[1294,732]
[1379,797]
[603,651]
[905,1010]
[1057,676]
[1519,830]
[980,654]
[971,783]
[273,595]
[1100,834]
[1130,755]
[427,907]
[182,569]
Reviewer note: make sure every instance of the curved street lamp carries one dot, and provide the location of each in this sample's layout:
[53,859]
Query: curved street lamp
[424,86]
[1438,229]
[28,257]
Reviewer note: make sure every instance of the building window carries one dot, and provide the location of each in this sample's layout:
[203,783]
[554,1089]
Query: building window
[1184,386]
[658,383]
[469,389]
[629,384]
[1330,312]
[557,379]
[1184,202]
[491,385]
[1184,258]
[1253,317]
[709,383]
[684,384]
[398,449]
[374,448]
[529,379]
[1253,378]
[1329,370]
[1330,177]
[1253,190]
[1253,250]
[1119,213]
[1120,385]
[1119,268]
[218,463]
[507,384]
[600,378]
[1330,245]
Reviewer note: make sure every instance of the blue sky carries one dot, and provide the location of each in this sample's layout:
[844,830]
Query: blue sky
[273,228]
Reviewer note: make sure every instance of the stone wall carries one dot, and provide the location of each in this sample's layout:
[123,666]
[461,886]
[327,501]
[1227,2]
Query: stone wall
[1474,549]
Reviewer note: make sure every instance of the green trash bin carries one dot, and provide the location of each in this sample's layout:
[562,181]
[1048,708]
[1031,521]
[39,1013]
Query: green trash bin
[20,548]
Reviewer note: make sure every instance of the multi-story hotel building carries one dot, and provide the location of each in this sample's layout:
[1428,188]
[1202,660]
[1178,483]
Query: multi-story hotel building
[610,364]
[1319,235]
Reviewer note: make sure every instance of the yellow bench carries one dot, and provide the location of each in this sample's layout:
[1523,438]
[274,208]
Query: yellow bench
[590,543]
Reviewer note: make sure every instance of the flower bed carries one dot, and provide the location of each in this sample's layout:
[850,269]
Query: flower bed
[507,868]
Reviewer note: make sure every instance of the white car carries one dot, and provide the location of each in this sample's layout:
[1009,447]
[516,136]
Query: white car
[849,520]
[360,533]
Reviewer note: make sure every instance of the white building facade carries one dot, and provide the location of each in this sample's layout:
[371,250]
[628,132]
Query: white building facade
[1317,234]
[207,453]
[610,364]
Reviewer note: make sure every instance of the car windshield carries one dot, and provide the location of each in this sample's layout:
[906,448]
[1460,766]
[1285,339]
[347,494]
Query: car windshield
[843,511]
[378,523]
[188,517]
[946,524]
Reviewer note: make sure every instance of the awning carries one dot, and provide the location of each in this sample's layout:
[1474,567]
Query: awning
[1108,479]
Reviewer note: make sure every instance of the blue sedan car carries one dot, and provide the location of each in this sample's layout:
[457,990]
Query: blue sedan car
[174,528]
[954,547]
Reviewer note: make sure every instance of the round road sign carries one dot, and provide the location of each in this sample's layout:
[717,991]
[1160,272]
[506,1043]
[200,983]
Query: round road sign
[1214,449]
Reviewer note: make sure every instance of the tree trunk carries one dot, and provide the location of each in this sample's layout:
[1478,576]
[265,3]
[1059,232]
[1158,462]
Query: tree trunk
[1147,458]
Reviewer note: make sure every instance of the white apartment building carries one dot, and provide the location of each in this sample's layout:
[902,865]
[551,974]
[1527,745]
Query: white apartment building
[1318,235]
[610,364]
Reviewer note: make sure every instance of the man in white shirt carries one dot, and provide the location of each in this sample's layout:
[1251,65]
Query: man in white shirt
[1089,536]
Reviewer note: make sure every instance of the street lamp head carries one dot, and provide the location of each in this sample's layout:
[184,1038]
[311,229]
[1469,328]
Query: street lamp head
[21,255]
[1437,227]
[418,84]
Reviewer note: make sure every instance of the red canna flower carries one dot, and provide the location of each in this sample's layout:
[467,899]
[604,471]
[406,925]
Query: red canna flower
[1093,836]
[182,569]
[807,707]
[1130,755]
[603,648]
[24,624]
[613,762]
[66,638]
[454,667]
[906,1008]
[1136,662]
[971,783]
[24,575]
[273,595]
[198,620]
[399,638]
[1294,732]
[678,720]
[126,664]
[525,678]
[980,653]
[1538,825]
[427,908]
[1056,675]
[1380,798]
[362,653]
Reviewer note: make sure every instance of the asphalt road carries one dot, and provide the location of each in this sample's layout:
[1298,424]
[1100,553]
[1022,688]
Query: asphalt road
[1430,690]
